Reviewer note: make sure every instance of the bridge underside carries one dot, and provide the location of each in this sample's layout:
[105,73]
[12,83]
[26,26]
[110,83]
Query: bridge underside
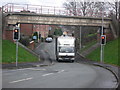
[14,18]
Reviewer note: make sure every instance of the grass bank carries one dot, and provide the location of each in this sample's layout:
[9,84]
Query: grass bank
[9,53]
[110,53]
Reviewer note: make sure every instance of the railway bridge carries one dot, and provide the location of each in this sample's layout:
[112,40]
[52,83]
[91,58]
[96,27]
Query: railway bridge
[12,18]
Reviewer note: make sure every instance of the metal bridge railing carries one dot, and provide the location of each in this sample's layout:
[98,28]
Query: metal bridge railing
[39,9]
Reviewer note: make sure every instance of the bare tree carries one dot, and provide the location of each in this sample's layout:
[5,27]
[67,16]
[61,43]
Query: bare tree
[115,7]
[71,7]
[84,8]
[75,8]
[119,20]
[119,11]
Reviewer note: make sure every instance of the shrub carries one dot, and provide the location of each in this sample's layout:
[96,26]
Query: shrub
[58,32]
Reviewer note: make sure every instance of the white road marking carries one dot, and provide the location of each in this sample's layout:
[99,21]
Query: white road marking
[21,80]
[47,74]
[61,71]
[37,69]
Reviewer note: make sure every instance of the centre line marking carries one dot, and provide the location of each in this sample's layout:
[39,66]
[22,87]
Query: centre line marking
[21,80]
[47,74]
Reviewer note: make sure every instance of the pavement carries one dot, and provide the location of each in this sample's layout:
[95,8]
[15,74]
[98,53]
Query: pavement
[89,50]
[24,65]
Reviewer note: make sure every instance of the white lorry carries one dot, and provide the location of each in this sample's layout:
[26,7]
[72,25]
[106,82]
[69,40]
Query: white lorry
[65,48]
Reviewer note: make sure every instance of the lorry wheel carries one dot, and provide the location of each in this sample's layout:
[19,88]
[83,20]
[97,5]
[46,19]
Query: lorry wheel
[58,60]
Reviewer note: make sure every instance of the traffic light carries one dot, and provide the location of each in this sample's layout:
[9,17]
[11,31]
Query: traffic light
[103,39]
[16,34]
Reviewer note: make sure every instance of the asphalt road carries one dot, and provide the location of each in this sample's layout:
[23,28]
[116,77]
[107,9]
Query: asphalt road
[59,75]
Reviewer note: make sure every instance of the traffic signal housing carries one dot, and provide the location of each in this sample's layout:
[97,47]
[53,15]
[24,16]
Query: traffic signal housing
[103,39]
[16,34]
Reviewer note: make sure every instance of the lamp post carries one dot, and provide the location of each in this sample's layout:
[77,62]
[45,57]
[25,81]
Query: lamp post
[49,29]
[80,39]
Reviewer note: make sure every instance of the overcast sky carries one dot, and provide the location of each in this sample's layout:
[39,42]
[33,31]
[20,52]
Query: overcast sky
[34,2]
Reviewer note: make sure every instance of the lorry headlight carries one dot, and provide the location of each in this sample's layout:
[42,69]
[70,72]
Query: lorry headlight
[72,58]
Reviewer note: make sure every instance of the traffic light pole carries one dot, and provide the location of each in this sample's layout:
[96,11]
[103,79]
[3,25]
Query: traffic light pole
[102,46]
[16,53]
[102,53]
[16,38]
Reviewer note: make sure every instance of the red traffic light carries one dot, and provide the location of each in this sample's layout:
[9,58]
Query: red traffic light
[103,37]
[16,34]
[15,30]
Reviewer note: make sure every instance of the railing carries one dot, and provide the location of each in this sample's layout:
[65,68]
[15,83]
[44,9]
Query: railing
[39,9]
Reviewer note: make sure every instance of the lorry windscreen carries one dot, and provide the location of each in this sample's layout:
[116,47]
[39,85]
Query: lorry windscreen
[66,50]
